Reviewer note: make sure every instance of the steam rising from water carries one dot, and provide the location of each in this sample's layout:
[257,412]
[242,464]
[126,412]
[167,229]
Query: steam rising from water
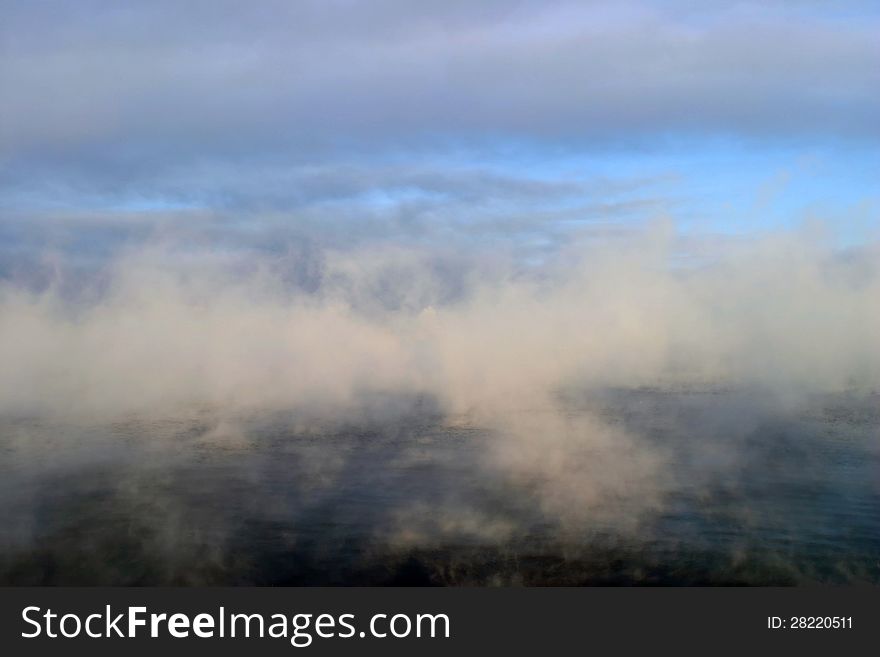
[521,354]
[784,312]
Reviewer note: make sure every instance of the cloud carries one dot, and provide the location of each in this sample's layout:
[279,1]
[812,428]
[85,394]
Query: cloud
[133,96]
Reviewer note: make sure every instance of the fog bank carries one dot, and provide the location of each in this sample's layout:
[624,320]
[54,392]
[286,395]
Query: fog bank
[154,331]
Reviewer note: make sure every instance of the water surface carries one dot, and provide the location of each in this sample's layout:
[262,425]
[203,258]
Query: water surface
[716,487]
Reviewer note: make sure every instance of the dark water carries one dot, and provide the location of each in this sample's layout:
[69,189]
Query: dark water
[740,491]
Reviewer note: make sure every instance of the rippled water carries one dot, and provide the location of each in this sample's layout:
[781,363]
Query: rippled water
[716,487]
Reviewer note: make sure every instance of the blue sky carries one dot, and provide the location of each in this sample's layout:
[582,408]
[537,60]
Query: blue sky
[403,121]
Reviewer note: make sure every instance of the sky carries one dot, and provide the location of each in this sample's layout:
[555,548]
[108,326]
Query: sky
[397,119]
[632,184]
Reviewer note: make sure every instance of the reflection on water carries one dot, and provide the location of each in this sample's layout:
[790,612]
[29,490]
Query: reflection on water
[736,491]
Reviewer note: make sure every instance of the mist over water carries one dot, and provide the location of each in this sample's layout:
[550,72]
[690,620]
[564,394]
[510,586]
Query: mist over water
[439,293]
[710,488]
[162,329]
[634,412]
